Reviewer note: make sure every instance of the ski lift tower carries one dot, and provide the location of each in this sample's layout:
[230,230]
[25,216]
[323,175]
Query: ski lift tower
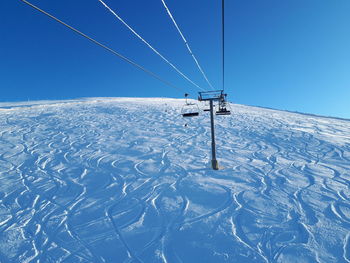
[212,96]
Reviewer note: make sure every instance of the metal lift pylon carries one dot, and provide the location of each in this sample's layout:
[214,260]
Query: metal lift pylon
[212,96]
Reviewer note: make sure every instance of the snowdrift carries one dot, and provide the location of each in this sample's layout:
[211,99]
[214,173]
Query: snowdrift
[123,180]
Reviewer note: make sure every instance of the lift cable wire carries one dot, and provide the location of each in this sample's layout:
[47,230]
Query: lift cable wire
[107,48]
[187,44]
[223,44]
[149,45]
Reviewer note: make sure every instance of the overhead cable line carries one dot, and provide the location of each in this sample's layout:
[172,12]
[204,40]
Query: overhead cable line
[223,43]
[106,47]
[149,45]
[187,44]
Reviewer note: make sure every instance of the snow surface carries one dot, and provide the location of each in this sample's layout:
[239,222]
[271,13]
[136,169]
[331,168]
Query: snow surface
[123,180]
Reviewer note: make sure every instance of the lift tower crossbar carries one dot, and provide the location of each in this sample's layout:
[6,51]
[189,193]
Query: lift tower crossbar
[212,96]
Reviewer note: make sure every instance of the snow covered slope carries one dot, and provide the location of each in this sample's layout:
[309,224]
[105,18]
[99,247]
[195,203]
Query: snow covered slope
[122,180]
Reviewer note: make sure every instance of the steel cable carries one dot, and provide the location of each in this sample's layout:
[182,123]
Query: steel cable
[105,47]
[149,45]
[187,44]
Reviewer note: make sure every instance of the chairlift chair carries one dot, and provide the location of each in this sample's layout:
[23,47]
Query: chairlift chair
[189,109]
[223,111]
[206,107]
[223,107]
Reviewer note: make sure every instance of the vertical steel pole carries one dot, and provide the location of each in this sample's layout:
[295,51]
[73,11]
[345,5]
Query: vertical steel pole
[214,162]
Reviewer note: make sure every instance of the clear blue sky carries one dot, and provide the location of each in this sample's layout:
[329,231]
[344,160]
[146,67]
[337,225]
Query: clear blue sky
[285,54]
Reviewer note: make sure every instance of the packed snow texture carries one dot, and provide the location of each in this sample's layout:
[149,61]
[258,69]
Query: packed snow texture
[125,180]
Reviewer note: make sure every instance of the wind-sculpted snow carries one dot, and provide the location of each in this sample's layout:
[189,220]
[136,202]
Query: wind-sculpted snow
[124,180]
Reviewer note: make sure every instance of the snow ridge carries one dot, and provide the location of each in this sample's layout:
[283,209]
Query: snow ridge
[123,180]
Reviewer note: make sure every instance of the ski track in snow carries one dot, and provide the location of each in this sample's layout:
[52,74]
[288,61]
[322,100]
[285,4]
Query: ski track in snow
[122,180]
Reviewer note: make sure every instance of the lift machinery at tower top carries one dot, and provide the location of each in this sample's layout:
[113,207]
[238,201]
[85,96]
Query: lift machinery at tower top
[216,95]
